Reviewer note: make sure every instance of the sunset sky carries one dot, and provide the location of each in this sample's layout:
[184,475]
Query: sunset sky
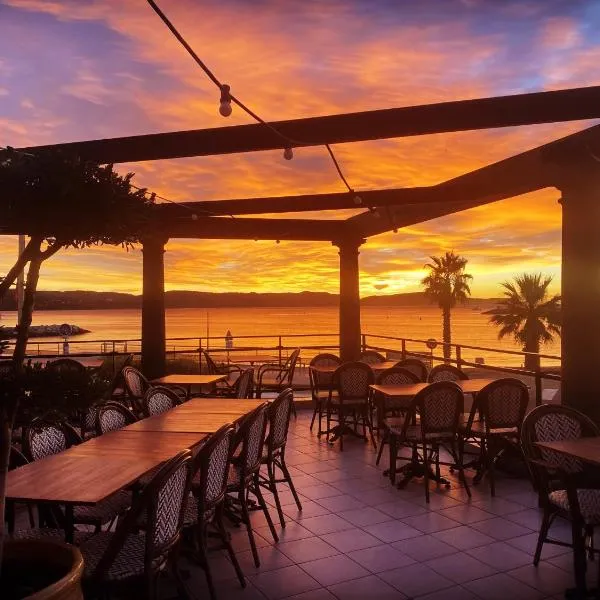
[77,69]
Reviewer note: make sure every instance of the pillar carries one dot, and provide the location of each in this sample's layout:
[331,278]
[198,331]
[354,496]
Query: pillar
[581,293]
[349,299]
[153,307]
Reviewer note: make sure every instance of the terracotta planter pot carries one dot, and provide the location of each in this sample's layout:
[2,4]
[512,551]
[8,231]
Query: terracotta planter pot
[57,566]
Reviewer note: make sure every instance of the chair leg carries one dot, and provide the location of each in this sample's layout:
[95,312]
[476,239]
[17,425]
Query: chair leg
[273,489]
[491,468]
[460,463]
[246,520]
[315,411]
[227,544]
[288,479]
[382,443]
[263,505]
[546,520]
[393,456]
[203,552]
[426,472]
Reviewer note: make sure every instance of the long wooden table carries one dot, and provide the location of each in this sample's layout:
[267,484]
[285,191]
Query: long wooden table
[94,470]
[377,367]
[409,390]
[187,380]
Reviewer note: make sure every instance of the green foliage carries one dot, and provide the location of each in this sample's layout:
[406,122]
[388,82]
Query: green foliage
[70,201]
[528,313]
[447,283]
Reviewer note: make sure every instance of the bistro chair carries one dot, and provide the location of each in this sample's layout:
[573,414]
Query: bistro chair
[66,366]
[446,373]
[158,400]
[243,477]
[502,405]
[371,357]
[387,407]
[418,367]
[129,561]
[279,413]
[115,369]
[351,381]
[42,439]
[549,471]
[112,416]
[89,422]
[276,378]
[320,384]
[439,407]
[136,386]
[231,370]
[204,509]
[243,386]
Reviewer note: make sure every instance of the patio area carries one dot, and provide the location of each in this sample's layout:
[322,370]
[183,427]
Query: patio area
[359,537]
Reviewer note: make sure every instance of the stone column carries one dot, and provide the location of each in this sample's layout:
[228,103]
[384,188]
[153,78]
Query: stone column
[350,337]
[153,307]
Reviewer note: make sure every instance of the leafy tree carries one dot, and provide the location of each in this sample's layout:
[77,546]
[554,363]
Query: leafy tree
[59,202]
[447,284]
[528,314]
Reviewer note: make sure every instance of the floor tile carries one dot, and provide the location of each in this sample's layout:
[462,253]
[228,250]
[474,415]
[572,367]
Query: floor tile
[319,594]
[501,587]
[497,506]
[283,582]
[307,549]
[460,568]
[500,529]
[367,587]
[424,548]
[351,539]
[530,518]
[454,593]
[392,531]
[501,556]
[466,513]
[326,524]
[291,531]
[364,516]
[545,577]
[340,503]
[528,543]
[416,580]
[430,522]
[323,490]
[381,558]
[401,508]
[334,569]
[463,537]
[309,509]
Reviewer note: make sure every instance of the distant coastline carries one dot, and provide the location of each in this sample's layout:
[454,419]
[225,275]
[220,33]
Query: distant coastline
[86,300]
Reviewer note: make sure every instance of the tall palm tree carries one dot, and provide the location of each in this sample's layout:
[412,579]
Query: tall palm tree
[447,284]
[528,313]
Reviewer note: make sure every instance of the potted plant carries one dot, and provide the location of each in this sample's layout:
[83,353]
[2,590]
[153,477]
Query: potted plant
[59,202]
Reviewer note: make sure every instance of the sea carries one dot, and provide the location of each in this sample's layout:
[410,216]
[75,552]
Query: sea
[316,326]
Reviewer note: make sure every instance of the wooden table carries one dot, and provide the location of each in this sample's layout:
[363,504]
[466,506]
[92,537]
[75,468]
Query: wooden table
[409,390]
[329,369]
[187,381]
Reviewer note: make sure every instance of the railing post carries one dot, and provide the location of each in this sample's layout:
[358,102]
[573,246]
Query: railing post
[403,349]
[200,355]
[458,356]
[538,386]
[279,347]
[364,342]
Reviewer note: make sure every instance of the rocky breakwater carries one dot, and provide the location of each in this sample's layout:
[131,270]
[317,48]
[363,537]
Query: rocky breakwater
[44,331]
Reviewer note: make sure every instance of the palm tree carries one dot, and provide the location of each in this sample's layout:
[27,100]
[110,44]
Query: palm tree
[528,314]
[447,284]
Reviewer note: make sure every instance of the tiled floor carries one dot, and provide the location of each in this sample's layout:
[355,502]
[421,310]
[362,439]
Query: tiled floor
[358,537]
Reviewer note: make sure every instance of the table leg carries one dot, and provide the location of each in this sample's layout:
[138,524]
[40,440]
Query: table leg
[69,523]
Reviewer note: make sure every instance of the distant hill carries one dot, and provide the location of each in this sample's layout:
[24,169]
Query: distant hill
[83,300]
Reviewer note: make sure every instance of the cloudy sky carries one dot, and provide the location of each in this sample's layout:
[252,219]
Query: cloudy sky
[78,69]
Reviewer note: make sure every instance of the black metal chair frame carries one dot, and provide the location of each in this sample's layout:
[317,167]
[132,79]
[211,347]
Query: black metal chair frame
[407,363]
[128,416]
[455,372]
[366,355]
[172,399]
[320,385]
[284,375]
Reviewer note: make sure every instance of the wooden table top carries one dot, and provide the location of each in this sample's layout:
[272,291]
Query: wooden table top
[586,449]
[218,405]
[69,478]
[382,366]
[468,386]
[176,379]
[204,424]
[133,444]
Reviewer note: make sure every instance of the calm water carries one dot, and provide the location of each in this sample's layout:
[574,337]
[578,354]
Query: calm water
[468,327]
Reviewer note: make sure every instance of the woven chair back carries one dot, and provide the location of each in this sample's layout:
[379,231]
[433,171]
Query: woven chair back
[446,373]
[44,439]
[352,381]
[503,403]
[66,366]
[287,376]
[440,406]
[396,376]
[244,385]
[553,423]
[89,421]
[135,383]
[416,366]
[158,400]
[212,463]
[112,416]
[371,357]
[251,435]
[322,380]
[279,412]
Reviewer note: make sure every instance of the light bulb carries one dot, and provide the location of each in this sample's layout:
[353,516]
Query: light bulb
[225,106]
[288,153]
[357,200]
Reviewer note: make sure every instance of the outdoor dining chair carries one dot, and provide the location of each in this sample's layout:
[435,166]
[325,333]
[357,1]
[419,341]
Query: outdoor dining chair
[243,477]
[418,367]
[320,384]
[432,423]
[232,371]
[112,416]
[136,385]
[371,357]
[502,405]
[351,381]
[548,469]
[129,561]
[158,400]
[272,377]
[279,412]
[446,373]
[205,506]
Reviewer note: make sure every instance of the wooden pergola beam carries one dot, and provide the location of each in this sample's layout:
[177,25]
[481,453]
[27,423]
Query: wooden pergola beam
[462,115]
